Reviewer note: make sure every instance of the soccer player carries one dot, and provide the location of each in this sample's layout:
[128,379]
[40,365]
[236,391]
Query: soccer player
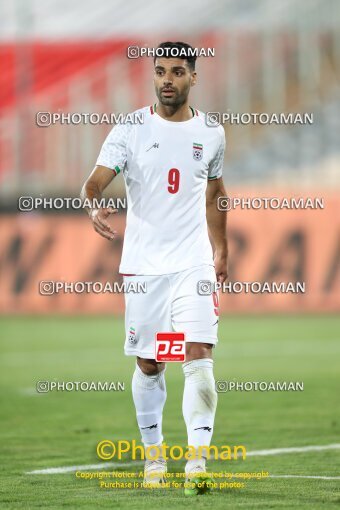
[172,166]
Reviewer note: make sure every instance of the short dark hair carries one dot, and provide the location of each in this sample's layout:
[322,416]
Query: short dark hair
[178,49]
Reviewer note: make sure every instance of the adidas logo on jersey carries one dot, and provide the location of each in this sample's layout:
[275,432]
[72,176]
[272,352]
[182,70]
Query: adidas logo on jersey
[154,146]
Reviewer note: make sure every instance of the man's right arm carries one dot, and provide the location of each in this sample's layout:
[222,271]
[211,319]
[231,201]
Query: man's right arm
[93,188]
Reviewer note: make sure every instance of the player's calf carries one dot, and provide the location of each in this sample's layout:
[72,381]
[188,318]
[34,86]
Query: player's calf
[149,396]
[199,407]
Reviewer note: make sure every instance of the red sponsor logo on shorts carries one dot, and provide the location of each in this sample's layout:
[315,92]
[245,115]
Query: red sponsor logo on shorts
[170,347]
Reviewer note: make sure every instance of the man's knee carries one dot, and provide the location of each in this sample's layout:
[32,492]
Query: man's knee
[197,350]
[150,366]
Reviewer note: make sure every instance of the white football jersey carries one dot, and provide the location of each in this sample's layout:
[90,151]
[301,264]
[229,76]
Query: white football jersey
[166,166]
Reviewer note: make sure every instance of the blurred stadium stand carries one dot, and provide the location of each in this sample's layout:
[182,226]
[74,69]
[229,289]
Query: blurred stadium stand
[71,57]
[304,156]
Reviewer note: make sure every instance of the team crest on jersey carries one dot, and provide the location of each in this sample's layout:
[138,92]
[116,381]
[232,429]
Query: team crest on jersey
[132,336]
[197,151]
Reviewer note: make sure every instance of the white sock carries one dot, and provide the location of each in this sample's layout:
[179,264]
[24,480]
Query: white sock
[149,396]
[199,403]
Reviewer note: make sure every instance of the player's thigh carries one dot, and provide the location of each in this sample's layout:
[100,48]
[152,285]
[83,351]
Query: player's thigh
[194,313]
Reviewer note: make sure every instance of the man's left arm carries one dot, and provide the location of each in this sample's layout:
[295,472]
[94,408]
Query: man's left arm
[217,225]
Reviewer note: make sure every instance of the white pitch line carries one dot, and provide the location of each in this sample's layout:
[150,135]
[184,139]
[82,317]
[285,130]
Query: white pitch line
[255,453]
[71,469]
[294,449]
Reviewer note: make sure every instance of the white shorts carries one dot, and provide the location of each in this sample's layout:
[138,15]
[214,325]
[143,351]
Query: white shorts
[172,302]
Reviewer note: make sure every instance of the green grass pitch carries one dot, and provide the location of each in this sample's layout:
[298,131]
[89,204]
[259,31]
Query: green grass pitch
[59,429]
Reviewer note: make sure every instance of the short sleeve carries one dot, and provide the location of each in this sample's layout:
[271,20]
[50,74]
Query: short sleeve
[216,164]
[113,153]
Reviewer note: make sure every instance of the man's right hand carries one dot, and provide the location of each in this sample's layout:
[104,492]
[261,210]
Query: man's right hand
[99,217]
